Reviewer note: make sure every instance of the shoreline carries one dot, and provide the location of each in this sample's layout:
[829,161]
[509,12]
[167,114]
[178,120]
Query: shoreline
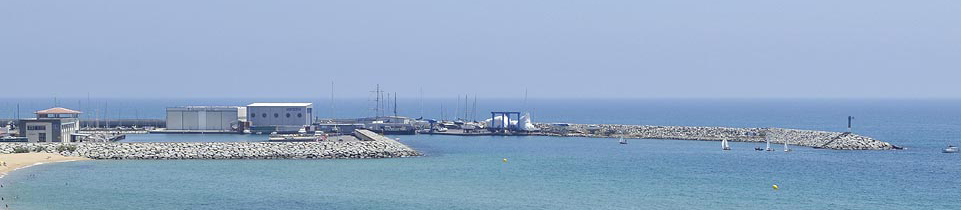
[19,161]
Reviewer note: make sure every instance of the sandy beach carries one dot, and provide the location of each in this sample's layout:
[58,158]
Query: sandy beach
[11,162]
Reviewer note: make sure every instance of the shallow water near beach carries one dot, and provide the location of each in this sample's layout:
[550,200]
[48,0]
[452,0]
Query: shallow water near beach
[555,172]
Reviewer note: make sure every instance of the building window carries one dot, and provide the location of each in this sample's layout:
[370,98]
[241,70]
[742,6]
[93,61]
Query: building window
[276,115]
[42,137]
[36,127]
[264,115]
[288,115]
[299,115]
[253,115]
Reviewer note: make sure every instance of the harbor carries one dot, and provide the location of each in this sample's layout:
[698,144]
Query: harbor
[507,152]
[292,122]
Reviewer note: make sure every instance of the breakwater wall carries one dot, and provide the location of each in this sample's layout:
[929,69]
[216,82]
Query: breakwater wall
[220,150]
[808,138]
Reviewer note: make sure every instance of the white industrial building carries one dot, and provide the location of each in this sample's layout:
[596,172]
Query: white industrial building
[279,117]
[202,118]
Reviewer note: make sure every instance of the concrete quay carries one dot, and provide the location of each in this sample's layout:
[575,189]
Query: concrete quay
[808,138]
[221,150]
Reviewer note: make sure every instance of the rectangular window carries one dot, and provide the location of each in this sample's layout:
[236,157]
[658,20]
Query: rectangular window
[36,127]
[42,137]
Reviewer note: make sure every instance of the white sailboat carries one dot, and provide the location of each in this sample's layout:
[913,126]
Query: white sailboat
[785,147]
[768,140]
[725,145]
[622,141]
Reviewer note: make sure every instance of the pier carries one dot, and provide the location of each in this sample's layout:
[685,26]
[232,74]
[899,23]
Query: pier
[808,138]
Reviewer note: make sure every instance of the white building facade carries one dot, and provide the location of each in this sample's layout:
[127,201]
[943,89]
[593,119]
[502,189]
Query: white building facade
[202,118]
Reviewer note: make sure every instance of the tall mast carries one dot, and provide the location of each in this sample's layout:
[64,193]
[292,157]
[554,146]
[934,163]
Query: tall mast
[331,99]
[457,108]
[377,103]
[474,109]
[395,104]
[88,105]
[421,102]
[525,99]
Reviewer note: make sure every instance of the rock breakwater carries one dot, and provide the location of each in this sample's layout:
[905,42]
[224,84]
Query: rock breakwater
[809,138]
[220,150]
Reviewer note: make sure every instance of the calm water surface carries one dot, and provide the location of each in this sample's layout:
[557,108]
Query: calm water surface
[552,172]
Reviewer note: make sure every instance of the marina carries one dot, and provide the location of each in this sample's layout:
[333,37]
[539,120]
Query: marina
[460,105]
[548,147]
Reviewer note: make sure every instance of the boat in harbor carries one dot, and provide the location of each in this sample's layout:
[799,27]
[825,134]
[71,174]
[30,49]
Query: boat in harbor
[622,141]
[950,149]
[785,147]
[725,145]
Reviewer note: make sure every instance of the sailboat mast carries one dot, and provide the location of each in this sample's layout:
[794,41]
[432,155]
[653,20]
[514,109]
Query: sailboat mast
[421,102]
[474,109]
[331,99]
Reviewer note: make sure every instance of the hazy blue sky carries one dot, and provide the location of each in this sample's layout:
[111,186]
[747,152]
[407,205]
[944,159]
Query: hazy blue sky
[610,48]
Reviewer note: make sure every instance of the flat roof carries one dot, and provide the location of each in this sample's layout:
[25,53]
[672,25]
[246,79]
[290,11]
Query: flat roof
[280,104]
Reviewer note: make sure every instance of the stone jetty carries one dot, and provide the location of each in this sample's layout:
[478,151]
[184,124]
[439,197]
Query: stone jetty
[382,148]
[809,138]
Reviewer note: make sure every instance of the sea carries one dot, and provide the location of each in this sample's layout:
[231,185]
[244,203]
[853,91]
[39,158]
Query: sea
[531,172]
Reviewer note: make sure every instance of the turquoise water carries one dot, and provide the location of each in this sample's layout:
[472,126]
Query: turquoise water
[553,172]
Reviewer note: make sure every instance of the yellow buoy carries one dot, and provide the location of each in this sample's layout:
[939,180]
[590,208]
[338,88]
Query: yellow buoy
[774,186]
[505,160]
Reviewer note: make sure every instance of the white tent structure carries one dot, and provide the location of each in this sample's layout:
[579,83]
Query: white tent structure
[525,123]
[499,122]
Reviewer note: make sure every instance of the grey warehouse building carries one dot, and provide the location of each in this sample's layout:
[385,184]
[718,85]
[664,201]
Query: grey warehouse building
[202,118]
[279,117]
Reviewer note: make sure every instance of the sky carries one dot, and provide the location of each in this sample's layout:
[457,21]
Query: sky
[490,48]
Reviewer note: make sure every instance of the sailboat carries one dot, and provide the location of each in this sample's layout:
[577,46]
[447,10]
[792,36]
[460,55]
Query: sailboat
[622,141]
[768,148]
[785,147]
[724,145]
